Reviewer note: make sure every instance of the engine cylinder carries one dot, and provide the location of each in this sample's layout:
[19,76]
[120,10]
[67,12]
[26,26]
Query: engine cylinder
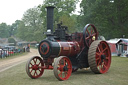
[54,49]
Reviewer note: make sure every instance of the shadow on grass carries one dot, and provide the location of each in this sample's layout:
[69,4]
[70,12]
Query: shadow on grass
[73,76]
[81,72]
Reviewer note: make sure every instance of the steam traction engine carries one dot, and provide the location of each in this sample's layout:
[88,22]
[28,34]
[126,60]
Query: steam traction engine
[66,53]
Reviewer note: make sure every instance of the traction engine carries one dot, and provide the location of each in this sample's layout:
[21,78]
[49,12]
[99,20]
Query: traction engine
[65,53]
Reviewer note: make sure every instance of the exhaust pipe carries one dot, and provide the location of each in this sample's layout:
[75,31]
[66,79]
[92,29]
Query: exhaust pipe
[50,15]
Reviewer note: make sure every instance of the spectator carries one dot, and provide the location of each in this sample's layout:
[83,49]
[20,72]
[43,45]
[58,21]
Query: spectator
[28,48]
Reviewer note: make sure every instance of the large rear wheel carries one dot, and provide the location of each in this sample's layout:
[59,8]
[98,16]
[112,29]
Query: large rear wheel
[62,68]
[99,56]
[89,34]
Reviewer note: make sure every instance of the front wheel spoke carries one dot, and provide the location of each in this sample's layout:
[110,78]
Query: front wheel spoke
[31,64]
[39,63]
[69,67]
[66,73]
[30,67]
[39,66]
[58,68]
[60,74]
[34,61]
[35,73]
[64,62]
[61,66]
[31,71]
[39,70]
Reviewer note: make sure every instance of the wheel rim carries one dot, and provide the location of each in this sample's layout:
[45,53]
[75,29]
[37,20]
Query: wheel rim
[89,34]
[34,67]
[99,57]
[62,68]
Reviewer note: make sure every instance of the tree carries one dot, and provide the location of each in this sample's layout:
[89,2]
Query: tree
[109,17]
[63,8]
[13,28]
[22,31]
[31,28]
[68,21]
[4,30]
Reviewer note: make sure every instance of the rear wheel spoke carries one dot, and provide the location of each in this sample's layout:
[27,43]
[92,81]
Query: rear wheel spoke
[88,32]
[98,58]
[104,50]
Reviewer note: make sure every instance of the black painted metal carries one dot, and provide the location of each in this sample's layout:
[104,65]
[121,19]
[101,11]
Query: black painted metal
[50,15]
[60,32]
[54,49]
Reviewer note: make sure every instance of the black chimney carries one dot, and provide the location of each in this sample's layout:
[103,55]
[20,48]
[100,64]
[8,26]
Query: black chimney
[50,15]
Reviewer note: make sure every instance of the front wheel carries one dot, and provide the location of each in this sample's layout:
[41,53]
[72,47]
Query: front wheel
[62,68]
[34,67]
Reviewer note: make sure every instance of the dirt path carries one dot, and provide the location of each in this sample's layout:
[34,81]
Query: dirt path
[6,64]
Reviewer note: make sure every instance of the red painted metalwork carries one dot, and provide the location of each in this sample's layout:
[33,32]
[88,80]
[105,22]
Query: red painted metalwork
[69,48]
[34,67]
[50,67]
[90,34]
[62,68]
[103,64]
[44,43]
[78,50]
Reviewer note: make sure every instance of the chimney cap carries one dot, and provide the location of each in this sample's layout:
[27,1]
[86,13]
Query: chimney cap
[49,7]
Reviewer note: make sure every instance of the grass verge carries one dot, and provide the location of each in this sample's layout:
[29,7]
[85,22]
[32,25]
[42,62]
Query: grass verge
[117,75]
[14,56]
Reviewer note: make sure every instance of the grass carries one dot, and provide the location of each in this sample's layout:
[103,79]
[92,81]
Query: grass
[117,75]
[14,56]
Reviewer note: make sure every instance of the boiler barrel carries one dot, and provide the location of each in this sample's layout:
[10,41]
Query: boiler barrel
[54,49]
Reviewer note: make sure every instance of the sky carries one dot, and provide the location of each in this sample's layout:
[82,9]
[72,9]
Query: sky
[12,10]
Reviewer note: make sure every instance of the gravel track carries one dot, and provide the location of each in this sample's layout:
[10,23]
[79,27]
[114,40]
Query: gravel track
[6,64]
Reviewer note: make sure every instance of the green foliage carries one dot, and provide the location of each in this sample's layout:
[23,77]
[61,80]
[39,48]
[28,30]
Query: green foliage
[68,21]
[109,18]
[31,28]
[63,8]
[14,27]
[4,33]
[21,31]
